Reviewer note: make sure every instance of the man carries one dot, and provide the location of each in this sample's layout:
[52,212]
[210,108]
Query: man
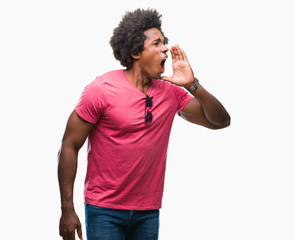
[127,117]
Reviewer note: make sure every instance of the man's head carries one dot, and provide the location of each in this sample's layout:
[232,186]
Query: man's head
[128,38]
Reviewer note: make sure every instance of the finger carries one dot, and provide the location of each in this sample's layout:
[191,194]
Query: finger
[178,53]
[71,236]
[79,231]
[184,55]
[65,237]
[63,234]
[173,53]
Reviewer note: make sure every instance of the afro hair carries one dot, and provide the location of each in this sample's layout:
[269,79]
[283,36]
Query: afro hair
[128,38]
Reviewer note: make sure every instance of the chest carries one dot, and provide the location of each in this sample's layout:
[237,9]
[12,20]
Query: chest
[127,111]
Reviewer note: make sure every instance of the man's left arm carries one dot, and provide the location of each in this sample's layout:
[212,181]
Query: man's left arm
[204,109]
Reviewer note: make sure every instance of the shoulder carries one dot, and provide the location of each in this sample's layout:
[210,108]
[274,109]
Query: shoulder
[160,84]
[106,77]
[171,91]
[166,86]
[100,83]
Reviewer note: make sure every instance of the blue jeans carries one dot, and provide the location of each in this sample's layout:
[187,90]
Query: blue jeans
[114,224]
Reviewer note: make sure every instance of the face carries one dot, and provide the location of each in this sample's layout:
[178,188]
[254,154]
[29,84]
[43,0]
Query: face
[152,58]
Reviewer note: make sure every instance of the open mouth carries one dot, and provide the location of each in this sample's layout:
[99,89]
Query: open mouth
[163,64]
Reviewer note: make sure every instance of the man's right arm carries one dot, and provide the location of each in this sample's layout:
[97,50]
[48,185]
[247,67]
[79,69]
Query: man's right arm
[75,135]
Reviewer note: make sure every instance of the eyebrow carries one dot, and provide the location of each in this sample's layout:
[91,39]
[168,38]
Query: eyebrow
[159,40]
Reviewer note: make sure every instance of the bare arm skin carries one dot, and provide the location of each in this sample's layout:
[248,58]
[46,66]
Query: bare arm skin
[204,109]
[75,135]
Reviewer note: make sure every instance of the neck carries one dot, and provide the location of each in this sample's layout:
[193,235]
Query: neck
[138,79]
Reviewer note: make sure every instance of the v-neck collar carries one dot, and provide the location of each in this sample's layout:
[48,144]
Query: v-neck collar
[133,86]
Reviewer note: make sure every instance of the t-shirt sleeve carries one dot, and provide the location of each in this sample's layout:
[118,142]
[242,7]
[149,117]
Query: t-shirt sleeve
[91,104]
[182,96]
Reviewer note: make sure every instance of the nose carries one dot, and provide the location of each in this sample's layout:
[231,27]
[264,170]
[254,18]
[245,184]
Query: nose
[165,49]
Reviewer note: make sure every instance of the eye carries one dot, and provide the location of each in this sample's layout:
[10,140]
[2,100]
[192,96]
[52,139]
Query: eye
[156,43]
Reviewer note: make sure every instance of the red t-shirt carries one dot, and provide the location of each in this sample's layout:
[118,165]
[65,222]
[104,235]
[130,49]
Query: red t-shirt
[126,156]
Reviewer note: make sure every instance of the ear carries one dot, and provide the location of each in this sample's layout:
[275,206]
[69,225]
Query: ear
[135,56]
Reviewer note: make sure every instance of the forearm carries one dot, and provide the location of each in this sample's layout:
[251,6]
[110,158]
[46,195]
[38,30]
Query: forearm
[67,167]
[213,110]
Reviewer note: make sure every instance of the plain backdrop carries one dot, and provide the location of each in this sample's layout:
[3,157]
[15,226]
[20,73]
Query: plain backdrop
[232,184]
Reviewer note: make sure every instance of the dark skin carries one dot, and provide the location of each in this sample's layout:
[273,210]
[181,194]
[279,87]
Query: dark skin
[204,110]
[76,133]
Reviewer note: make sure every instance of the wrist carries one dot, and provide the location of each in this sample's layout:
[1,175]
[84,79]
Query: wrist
[67,210]
[67,205]
[193,87]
